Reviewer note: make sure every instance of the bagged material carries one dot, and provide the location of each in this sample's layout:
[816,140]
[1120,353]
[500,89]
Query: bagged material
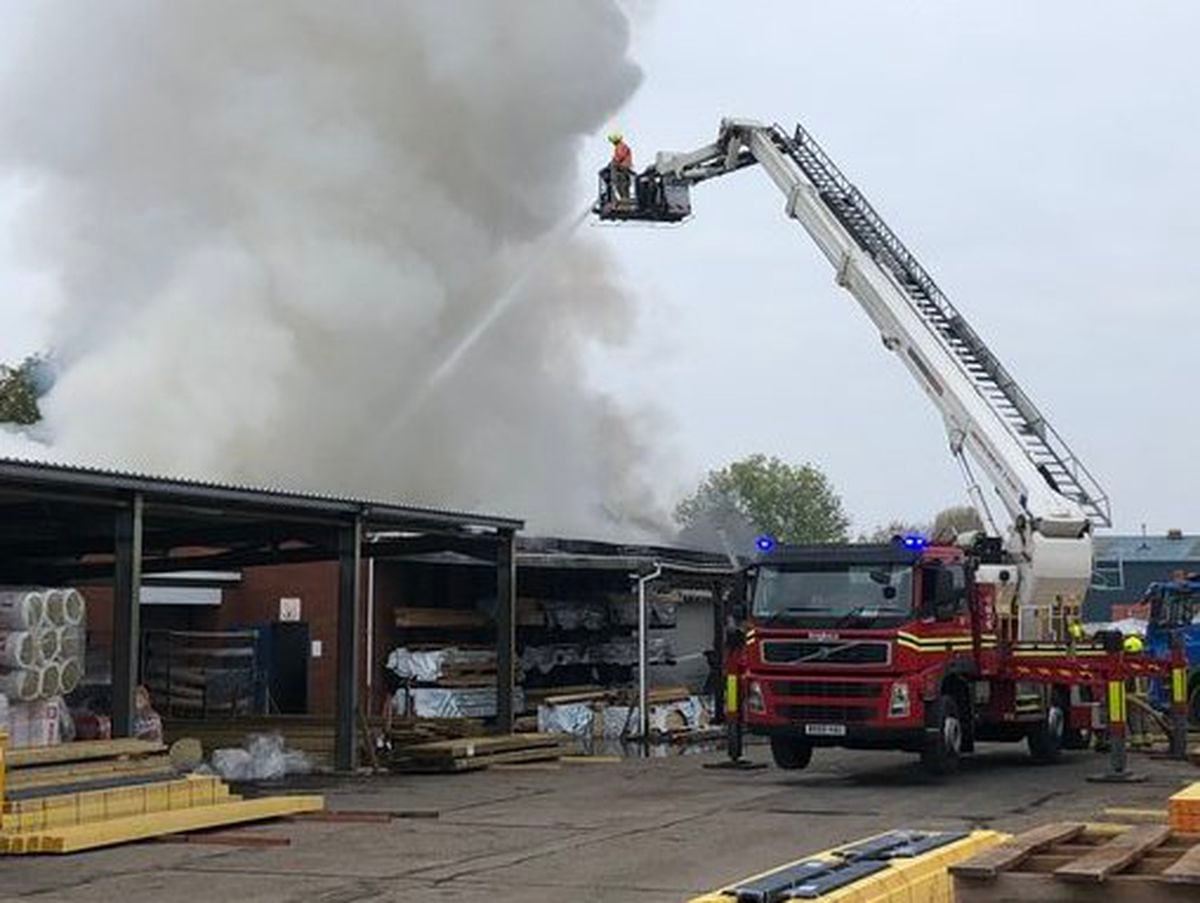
[20,609]
[48,644]
[446,702]
[21,685]
[147,723]
[18,649]
[263,759]
[70,640]
[34,724]
[428,666]
[74,609]
[69,675]
[50,679]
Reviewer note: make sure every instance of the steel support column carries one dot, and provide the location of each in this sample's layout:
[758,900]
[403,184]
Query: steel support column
[506,628]
[349,602]
[127,583]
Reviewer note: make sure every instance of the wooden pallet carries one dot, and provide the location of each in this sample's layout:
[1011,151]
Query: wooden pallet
[474,753]
[1072,862]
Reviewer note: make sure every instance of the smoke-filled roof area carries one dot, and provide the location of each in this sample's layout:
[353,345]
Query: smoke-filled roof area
[268,224]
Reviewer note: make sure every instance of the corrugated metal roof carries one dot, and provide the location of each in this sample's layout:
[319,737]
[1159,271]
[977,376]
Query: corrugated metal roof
[85,477]
[1148,548]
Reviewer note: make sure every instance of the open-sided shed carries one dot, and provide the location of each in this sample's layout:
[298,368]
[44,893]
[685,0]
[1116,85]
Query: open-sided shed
[65,525]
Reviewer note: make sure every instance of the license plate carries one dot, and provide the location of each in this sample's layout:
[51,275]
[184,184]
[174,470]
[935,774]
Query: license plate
[825,730]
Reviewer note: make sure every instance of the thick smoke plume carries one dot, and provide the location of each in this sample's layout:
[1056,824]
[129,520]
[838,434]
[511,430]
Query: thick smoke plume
[269,222]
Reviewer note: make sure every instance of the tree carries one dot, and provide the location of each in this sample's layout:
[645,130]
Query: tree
[949,522]
[793,503]
[890,530]
[18,393]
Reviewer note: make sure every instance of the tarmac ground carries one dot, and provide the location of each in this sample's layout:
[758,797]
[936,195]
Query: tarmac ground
[638,830]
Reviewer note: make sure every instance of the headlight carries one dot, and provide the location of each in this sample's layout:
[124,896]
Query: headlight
[899,705]
[754,698]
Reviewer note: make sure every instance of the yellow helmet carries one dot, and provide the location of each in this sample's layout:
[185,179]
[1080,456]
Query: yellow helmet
[1133,644]
[615,137]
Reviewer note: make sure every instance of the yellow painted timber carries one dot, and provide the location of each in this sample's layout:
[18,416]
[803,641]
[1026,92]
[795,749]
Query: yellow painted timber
[141,827]
[80,751]
[62,810]
[924,878]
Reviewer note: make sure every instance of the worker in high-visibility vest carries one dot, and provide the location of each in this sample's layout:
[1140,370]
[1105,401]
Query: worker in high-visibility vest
[1139,690]
[621,168]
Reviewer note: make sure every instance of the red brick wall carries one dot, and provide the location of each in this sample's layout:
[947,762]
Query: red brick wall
[252,603]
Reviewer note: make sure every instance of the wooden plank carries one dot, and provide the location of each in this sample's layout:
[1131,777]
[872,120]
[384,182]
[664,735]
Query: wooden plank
[479,746]
[1114,855]
[1012,853]
[79,751]
[82,772]
[61,810]
[464,618]
[1025,887]
[143,827]
[1186,869]
[228,838]
[1136,816]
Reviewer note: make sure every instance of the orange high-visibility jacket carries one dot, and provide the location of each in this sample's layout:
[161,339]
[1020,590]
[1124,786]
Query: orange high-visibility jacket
[622,156]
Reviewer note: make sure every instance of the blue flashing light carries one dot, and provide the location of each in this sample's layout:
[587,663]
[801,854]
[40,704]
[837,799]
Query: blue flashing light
[764,543]
[915,541]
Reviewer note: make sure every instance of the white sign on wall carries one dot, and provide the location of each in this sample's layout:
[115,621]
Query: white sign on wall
[316,649]
[289,608]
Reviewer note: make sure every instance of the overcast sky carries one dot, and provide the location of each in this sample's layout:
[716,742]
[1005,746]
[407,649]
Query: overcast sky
[1040,159]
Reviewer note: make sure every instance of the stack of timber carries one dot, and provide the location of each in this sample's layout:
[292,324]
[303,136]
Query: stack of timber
[311,734]
[440,618]
[1183,809]
[407,732]
[1073,862]
[202,672]
[474,753]
[80,796]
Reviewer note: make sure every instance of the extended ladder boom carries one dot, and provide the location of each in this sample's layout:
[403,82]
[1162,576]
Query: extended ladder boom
[1052,501]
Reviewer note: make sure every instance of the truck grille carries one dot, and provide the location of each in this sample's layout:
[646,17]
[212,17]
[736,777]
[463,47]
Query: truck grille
[826,689]
[831,652]
[840,714]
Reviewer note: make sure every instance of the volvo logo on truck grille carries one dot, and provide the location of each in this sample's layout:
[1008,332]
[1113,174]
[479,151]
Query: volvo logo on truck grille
[835,652]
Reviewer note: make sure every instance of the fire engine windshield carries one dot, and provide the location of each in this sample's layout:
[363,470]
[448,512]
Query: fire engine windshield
[849,596]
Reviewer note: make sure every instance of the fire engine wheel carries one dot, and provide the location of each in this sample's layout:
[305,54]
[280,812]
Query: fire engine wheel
[943,749]
[1046,738]
[791,753]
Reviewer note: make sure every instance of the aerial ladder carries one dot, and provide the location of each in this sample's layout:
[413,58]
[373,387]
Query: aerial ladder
[1049,500]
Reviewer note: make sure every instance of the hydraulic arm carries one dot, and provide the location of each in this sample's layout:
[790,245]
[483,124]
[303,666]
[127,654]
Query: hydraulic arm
[1050,500]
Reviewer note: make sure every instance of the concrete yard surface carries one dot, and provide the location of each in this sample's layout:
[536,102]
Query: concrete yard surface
[644,831]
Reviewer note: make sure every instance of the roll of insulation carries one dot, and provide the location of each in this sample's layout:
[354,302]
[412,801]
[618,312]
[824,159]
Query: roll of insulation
[52,610]
[51,680]
[69,675]
[22,685]
[74,608]
[48,643]
[21,609]
[70,642]
[18,649]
